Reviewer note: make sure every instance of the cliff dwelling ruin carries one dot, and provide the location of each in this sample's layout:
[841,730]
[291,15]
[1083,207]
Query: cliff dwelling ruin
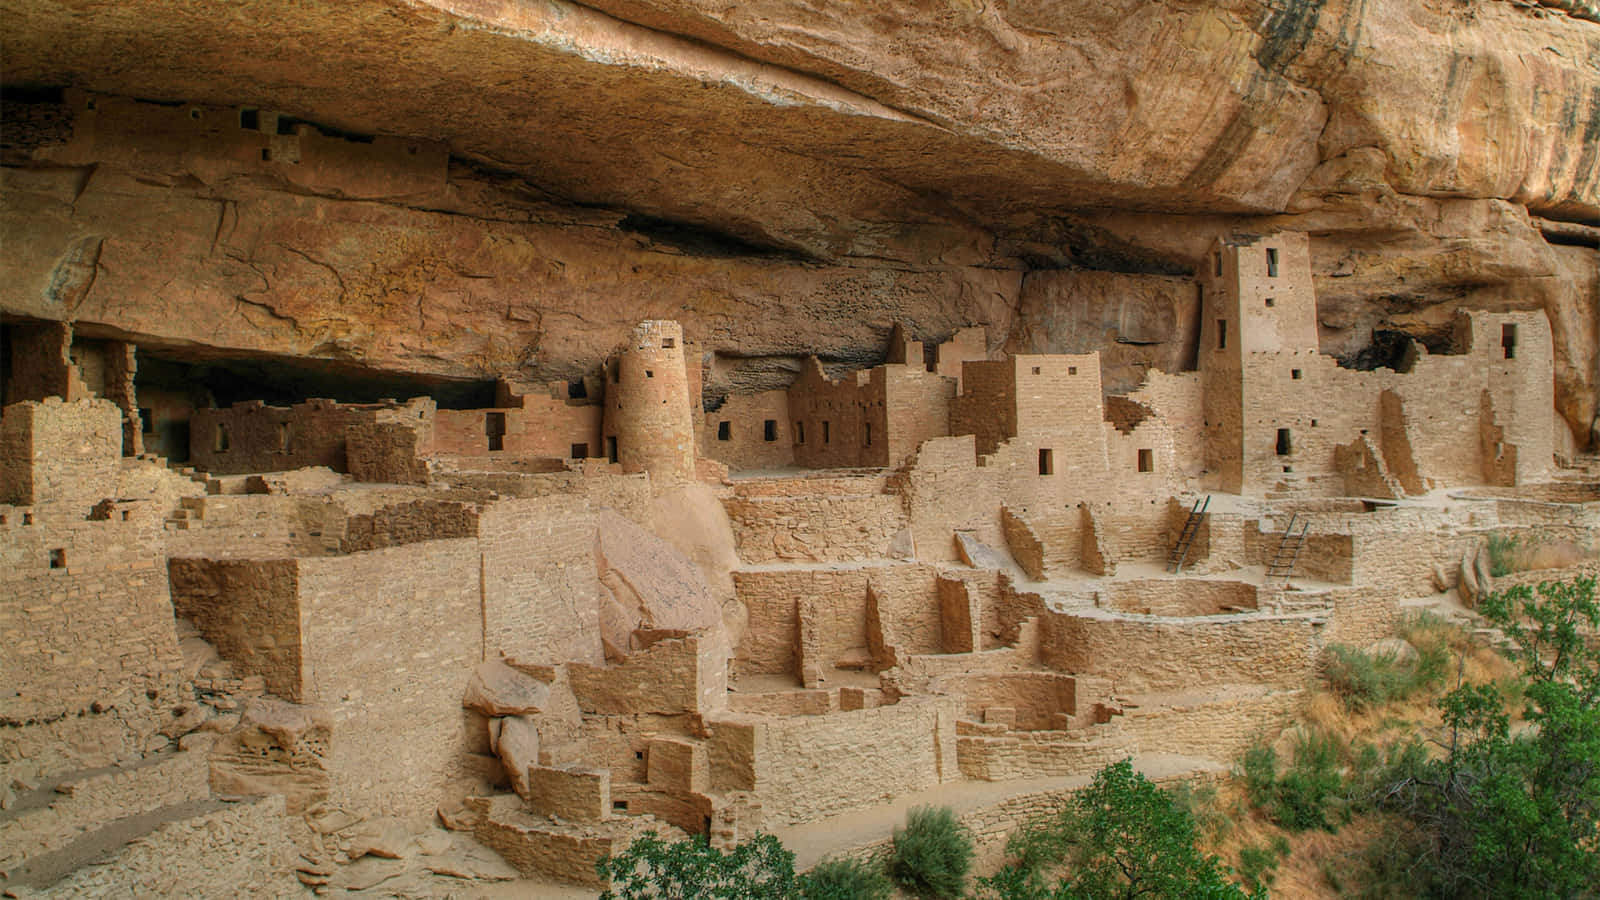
[395,496]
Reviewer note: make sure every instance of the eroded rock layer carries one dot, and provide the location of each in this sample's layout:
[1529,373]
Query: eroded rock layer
[469,189]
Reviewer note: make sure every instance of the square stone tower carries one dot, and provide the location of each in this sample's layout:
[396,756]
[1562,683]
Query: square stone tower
[1257,306]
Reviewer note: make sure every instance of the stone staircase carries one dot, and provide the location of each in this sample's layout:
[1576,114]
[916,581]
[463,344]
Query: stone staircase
[189,514]
[188,472]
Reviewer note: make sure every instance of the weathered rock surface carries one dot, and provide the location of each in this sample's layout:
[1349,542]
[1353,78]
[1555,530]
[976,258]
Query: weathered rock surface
[277,748]
[786,177]
[649,587]
[497,689]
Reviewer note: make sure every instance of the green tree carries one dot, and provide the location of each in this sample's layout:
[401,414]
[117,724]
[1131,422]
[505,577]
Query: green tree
[653,869]
[1517,815]
[1121,837]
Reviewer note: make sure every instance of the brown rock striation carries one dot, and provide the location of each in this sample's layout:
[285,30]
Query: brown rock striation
[465,189]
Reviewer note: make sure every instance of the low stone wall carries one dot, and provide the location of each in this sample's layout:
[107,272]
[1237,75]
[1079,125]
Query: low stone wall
[1174,597]
[838,612]
[1218,725]
[806,768]
[1040,754]
[1160,653]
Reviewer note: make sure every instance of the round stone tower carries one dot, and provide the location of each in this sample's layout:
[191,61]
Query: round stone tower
[649,423]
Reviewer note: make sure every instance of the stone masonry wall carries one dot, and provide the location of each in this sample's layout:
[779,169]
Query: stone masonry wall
[809,767]
[1156,653]
[390,637]
[95,629]
[249,610]
[743,442]
[818,527]
[541,593]
[771,596]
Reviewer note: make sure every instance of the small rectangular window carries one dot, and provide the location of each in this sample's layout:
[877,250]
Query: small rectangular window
[1272,262]
[799,432]
[769,430]
[1146,461]
[580,451]
[58,558]
[1508,340]
[616,373]
[1217,259]
[669,343]
[1285,444]
[724,431]
[286,437]
[577,389]
[249,120]
[1295,374]
[1072,370]
[1047,465]
[1269,302]
[611,449]
[1035,370]
[825,432]
[219,438]
[1222,334]
[649,374]
[866,433]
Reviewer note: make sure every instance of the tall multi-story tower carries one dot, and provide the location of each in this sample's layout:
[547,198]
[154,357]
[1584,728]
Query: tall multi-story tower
[649,424]
[1258,308]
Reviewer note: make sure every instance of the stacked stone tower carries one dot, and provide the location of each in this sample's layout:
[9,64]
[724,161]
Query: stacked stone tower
[649,422]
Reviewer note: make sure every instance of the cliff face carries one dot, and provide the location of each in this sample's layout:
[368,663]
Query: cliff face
[468,188]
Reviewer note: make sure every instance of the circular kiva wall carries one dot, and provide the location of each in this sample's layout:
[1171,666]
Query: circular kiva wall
[1179,597]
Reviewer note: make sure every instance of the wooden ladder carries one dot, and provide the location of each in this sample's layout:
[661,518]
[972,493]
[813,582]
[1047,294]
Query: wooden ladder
[1180,551]
[1289,546]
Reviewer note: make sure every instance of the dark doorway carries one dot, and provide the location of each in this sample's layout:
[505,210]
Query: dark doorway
[494,428]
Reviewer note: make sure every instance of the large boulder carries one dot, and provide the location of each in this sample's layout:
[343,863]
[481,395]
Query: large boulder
[497,689]
[649,587]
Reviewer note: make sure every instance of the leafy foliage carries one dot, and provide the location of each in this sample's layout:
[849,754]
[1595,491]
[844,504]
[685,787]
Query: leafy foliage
[1516,815]
[1305,794]
[1122,837]
[1258,865]
[844,879]
[1364,680]
[653,869]
[932,853]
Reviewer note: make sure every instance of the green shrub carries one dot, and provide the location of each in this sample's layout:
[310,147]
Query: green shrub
[1201,802]
[1120,837]
[653,869]
[844,879]
[932,853]
[1307,792]
[1364,680]
[1258,865]
[1504,553]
